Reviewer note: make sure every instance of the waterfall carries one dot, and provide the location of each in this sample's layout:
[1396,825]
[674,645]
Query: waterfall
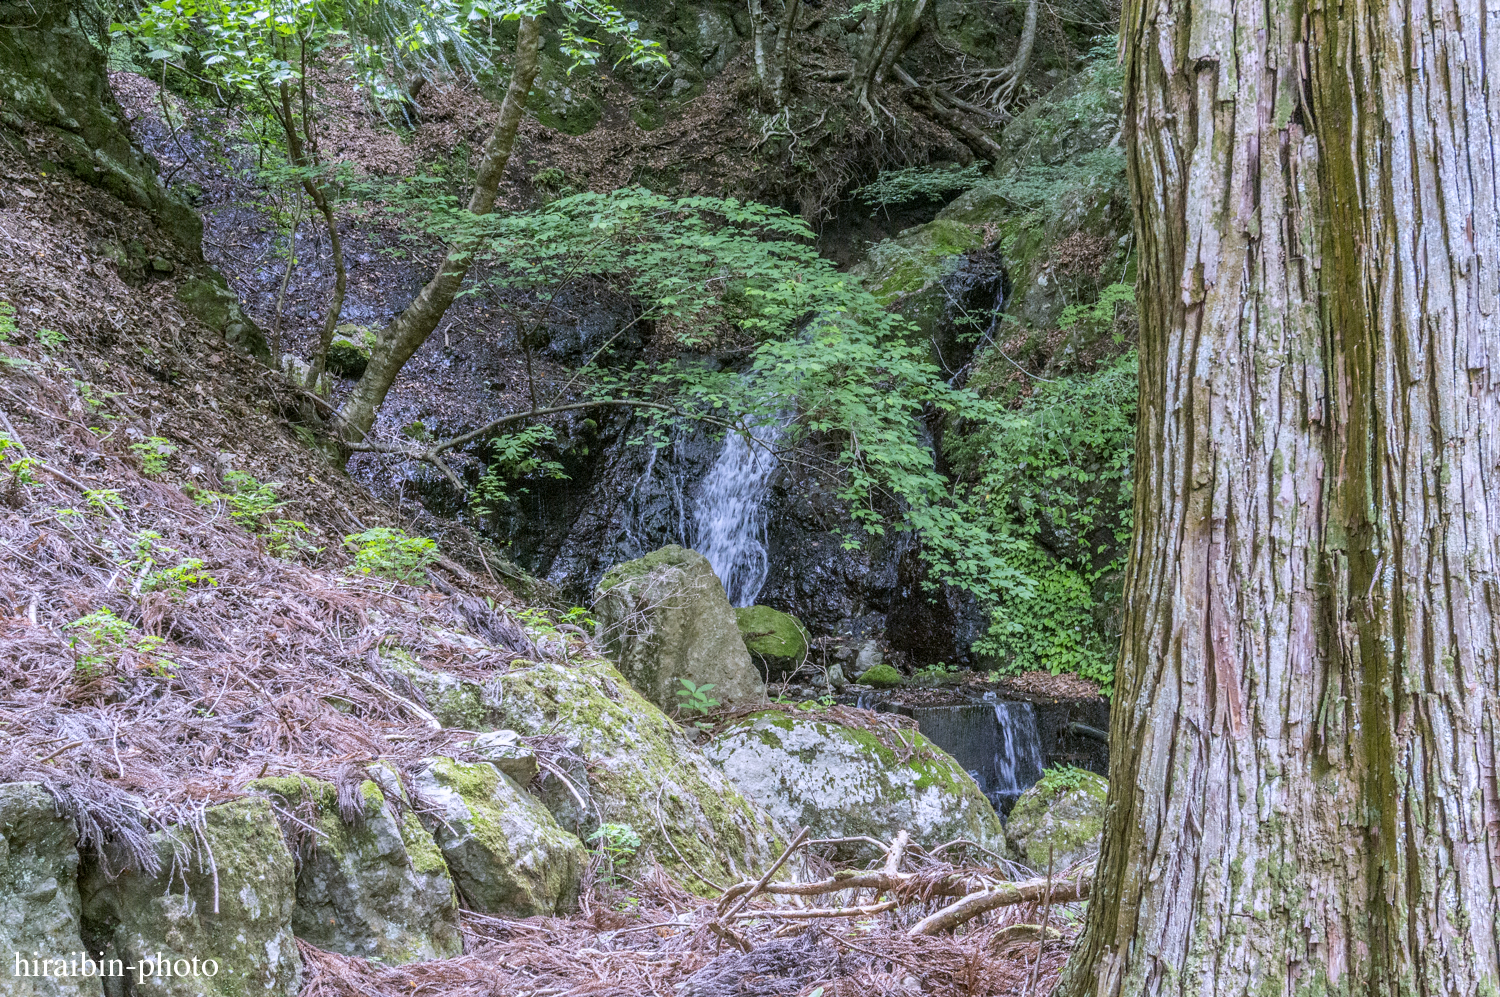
[729,524]
[1018,753]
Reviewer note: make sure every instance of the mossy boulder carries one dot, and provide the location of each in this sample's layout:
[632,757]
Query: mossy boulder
[210,301]
[1063,815]
[223,892]
[503,847]
[54,86]
[370,879]
[349,352]
[899,270]
[641,770]
[776,640]
[844,781]
[456,702]
[881,677]
[39,903]
[505,750]
[664,618]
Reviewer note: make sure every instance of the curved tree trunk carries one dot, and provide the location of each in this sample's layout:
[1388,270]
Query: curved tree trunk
[409,330]
[886,32]
[1303,793]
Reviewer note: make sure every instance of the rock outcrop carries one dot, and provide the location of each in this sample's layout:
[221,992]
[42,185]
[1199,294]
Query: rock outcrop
[845,781]
[370,879]
[1062,816]
[39,903]
[224,894]
[641,770]
[664,618]
[504,849]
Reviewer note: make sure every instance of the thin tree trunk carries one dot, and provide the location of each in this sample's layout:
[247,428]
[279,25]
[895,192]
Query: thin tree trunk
[286,278]
[409,330]
[300,150]
[760,26]
[1306,730]
[785,51]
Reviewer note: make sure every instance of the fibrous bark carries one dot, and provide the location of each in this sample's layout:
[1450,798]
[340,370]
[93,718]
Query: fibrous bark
[400,339]
[1307,710]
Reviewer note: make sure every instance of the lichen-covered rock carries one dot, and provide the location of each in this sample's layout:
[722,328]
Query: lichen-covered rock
[775,639]
[505,750]
[224,894]
[39,903]
[664,618]
[210,301]
[377,888]
[642,771]
[349,352]
[455,702]
[504,849]
[843,781]
[1063,814]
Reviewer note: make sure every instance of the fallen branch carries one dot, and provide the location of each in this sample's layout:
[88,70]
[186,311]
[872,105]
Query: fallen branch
[1004,895]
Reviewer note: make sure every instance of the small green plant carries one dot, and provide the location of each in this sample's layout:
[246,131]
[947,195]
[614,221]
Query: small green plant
[392,554]
[938,672]
[284,539]
[101,637]
[1062,779]
[249,501]
[13,458]
[104,498]
[616,842]
[51,338]
[694,698]
[153,452]
[181,577]
[916,183]
[7,321]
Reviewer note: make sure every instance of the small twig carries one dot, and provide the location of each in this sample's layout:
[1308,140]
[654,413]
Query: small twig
[67,747]
[862,910]
[749,895]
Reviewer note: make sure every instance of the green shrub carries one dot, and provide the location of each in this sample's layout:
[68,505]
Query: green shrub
[391,554]
[153,452]
[101,637]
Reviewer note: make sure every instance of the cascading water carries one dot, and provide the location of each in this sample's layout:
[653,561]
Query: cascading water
[729,526]
[998,742]
[1018,757]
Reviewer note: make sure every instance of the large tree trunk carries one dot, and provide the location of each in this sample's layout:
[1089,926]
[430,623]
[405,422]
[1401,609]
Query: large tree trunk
[409,330]
[1303,794]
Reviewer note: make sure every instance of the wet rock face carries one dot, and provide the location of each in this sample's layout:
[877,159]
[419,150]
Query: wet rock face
[665,619]
[226,895]
[641,770]
[843,782]
[375,888]
[39,903]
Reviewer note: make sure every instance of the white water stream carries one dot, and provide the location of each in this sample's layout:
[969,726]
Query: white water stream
[729,523]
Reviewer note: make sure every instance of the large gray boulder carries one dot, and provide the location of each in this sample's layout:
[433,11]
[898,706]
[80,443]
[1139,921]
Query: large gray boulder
[504,849]
[38,895]
[640,769]
[846,781]
[224,894]
[1062,816]
[664,617]
[374,887]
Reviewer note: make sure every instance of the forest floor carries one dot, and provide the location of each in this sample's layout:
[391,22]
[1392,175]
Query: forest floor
[165,644]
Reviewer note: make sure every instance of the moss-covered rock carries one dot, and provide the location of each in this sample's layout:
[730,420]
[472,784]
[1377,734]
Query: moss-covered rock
[642,771]
[665,618]
[503,847]
[224,892]
[455,702]
[505,750]
[881,677]
[39,903]
[844,781]
[898,270]
[373,886]
[53,86]
[210,300]
[1063,815]
[349,352]
[775,639]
